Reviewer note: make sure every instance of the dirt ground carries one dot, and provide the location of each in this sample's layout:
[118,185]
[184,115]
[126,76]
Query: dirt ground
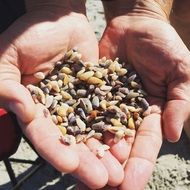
[172,170]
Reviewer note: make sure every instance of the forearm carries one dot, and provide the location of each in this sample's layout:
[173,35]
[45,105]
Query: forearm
[180,19]
[158,8]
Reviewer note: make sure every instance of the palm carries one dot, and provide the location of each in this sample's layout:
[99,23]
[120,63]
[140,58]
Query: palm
[162,61]
[41,41]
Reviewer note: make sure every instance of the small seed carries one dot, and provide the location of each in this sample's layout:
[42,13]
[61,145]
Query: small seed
[66,95]
[114,129]
[95,102]
[135,85]
[62,110]
[58,97]
[49,101]
[68,54]
[70,85]
[98,136]
[85,76]
[106,88]
[66,70]
[54,104]
[115,122]
[124,90]
[122,72]
[80,138]
[81,92]
[120,94]
[66,80]
[49,86]
[103,104]
[54,119]
[39,75]
[132,78]
[86,104]
[131,123]
[54,77]
[99,92]
[112,67]
[145,104]
[75,57]
[42,85]
[61,76]
[60,83]
[80,72]
[119,98]
[68,139]
[100,126]
[90,134]
[73,92]
[112,103]
[55,86]
[40,95]
[133,109]
[72,120]
[101,150]
[113,109]
[59,119]
[93,114]
[98,74]
[62,129]
[81,124]
[81,113]
[132,94]
[71,102]
[95,80]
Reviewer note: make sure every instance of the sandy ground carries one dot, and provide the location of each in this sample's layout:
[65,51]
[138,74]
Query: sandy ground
[172,170]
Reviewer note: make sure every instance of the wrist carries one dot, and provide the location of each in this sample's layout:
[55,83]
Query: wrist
[158,9]
[180,19]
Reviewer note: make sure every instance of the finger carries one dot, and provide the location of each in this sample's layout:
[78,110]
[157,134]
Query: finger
[175,114]
[143,154]
[112,165]
[91,171]
[45,137]
[86,43]
[121,149]
[16,98]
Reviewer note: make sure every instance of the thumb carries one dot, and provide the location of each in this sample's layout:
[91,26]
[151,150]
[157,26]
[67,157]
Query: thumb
[175,114]
[16,98]
[111,44]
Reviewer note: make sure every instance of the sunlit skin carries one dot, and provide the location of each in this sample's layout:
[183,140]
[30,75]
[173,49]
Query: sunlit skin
[144,39]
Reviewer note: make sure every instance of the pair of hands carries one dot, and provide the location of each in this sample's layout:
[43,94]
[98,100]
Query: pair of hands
[41,37]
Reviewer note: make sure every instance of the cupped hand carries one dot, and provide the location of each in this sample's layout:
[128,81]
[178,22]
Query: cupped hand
[33,44]
[162,61]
